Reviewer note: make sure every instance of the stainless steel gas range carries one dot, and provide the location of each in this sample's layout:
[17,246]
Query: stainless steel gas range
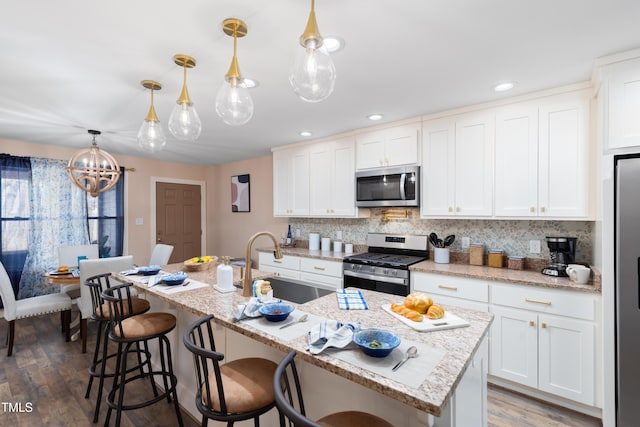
[385,267]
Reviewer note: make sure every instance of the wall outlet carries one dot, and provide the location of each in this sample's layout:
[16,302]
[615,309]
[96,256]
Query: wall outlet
[466,242]
[139,221]
[534,246]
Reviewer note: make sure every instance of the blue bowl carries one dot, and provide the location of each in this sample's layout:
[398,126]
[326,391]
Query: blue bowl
[376,342]
[149,271]
[175,279]
[277,311]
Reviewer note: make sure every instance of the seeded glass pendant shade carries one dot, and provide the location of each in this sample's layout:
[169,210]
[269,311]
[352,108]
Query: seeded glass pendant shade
[184,122]
[233,102]
[93,170]
[313,74]
[151,136]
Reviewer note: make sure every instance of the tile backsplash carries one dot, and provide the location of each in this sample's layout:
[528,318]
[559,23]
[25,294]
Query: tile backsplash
[512,236]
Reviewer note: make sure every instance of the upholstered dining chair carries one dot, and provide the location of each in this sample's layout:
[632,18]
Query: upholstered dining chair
[290,403]
[235,391]
[68,255]
[90,268]
[30,307]
[161,254]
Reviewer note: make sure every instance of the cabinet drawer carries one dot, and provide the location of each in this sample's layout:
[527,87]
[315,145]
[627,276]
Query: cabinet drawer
[551,301]
[287,261]
[458,287]
[281,272]
[329,282]
[321,266]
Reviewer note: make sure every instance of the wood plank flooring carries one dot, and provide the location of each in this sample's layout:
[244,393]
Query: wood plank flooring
[46,378]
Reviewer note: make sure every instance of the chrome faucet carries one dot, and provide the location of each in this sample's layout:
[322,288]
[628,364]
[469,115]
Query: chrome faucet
[247,284]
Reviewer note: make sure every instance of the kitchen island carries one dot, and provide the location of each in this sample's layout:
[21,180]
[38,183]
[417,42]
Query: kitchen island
[454,386]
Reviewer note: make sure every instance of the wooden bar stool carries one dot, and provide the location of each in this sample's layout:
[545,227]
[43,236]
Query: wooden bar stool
[135,331]
[100,314]
[236,391]
[288,395]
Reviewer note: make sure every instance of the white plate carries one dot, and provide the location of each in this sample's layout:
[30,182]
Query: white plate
[449,321]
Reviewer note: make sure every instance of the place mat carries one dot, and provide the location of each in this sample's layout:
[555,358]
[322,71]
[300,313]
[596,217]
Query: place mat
[413,373]
[166,289]
[286,334]
[351,299]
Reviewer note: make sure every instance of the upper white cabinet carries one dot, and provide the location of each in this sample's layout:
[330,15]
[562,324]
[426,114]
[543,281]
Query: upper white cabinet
[291,182]
[394,146]
[457,166]
[331,178]
[542,157]
[622,104]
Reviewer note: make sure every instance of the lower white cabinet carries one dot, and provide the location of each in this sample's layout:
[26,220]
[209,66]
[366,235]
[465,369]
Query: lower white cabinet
[550,352]
[451,290]
[310,270]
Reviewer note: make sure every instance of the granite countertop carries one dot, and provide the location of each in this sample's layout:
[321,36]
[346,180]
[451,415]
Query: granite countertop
[431,396]
[316,254]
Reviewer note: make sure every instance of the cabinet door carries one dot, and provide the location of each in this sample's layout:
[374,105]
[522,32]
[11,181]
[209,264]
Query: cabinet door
[474,164]
[299,182]
[623,105]
[517,161]
[343,161]
[564,156]
[281,173]
[438,168]
[401,145]
[566,358]
[320,171]
[370,150]
[514,348]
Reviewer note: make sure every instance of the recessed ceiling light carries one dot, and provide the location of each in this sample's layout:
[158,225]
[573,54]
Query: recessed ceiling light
[502,87]
[374,117]
[305,133]
[333,43]
[250,83]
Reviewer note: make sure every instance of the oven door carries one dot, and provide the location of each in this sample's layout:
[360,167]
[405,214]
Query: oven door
[389,285]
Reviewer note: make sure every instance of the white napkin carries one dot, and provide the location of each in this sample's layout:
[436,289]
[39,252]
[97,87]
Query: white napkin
[251,308]
[330,333]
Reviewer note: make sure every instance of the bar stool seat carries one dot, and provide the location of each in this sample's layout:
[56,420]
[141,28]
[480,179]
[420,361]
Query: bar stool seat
[138,331]
[352,419]
[101,314]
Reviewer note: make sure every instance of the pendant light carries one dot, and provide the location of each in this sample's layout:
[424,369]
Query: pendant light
[313,74]
[184,122]
[151,136]
[233,102]
[93,170]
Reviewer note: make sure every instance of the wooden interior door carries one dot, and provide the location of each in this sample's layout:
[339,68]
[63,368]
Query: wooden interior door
[178,219]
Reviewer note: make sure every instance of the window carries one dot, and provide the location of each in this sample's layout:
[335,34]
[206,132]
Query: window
[106,219]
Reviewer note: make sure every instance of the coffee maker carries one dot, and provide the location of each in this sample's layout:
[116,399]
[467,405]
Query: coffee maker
[562,252]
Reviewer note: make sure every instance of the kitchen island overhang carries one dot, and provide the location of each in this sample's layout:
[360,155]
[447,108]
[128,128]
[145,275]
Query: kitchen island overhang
[433,396]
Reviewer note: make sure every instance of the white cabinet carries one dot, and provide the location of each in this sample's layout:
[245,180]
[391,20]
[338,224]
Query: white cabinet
[451,290]
[394,146]
[288,267]
[291,182]
[331,178]
[542,157]
[327,273]
[622,104]
[457,160]
[545,339]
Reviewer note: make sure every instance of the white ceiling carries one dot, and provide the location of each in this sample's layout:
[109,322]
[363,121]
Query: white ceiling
[72,65]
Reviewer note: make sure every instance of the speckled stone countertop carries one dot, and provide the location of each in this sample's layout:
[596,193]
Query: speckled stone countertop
[307,253]
[431,396]
[521,277]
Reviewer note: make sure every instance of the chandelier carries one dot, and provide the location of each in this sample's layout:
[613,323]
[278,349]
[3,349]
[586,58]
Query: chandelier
[93,170]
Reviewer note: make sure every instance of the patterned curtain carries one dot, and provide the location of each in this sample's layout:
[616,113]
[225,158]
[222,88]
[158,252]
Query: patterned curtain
[58,216]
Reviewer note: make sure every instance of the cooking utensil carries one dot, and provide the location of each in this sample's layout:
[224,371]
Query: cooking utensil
[440,244]
[449,240]
[411,353]
[433,238]
[300,320]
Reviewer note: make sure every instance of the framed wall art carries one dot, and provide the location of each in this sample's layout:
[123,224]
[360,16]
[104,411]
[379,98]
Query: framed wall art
[240,194]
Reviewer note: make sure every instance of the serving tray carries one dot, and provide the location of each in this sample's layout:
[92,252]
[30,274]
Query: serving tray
[449,321]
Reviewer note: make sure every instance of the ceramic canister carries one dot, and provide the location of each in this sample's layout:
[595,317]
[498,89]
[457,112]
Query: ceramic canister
[314,241]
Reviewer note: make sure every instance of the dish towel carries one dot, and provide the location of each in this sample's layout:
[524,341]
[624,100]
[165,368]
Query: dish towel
[350,299]
[251,308]
[330,333]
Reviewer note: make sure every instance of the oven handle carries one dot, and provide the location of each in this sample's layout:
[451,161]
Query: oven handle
[395,280]
[403,182]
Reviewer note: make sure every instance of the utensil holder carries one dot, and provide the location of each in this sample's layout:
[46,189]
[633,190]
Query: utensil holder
[441,255]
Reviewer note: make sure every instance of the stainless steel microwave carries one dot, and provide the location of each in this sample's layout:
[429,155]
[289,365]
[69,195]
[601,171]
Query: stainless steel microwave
[388,187]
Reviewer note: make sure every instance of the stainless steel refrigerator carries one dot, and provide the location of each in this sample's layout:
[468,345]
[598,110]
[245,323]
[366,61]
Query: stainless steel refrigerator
[627,289]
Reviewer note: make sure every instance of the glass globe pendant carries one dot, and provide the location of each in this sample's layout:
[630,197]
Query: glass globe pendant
[233,102]
[184,122]
[151,136]
[313,74]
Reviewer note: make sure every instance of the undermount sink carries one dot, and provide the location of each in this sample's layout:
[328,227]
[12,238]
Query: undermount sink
[298,292]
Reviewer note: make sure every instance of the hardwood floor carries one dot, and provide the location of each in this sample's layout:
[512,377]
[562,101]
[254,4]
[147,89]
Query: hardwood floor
[44,382]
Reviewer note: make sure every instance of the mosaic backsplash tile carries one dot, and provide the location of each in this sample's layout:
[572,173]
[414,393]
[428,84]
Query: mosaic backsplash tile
[512,236]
